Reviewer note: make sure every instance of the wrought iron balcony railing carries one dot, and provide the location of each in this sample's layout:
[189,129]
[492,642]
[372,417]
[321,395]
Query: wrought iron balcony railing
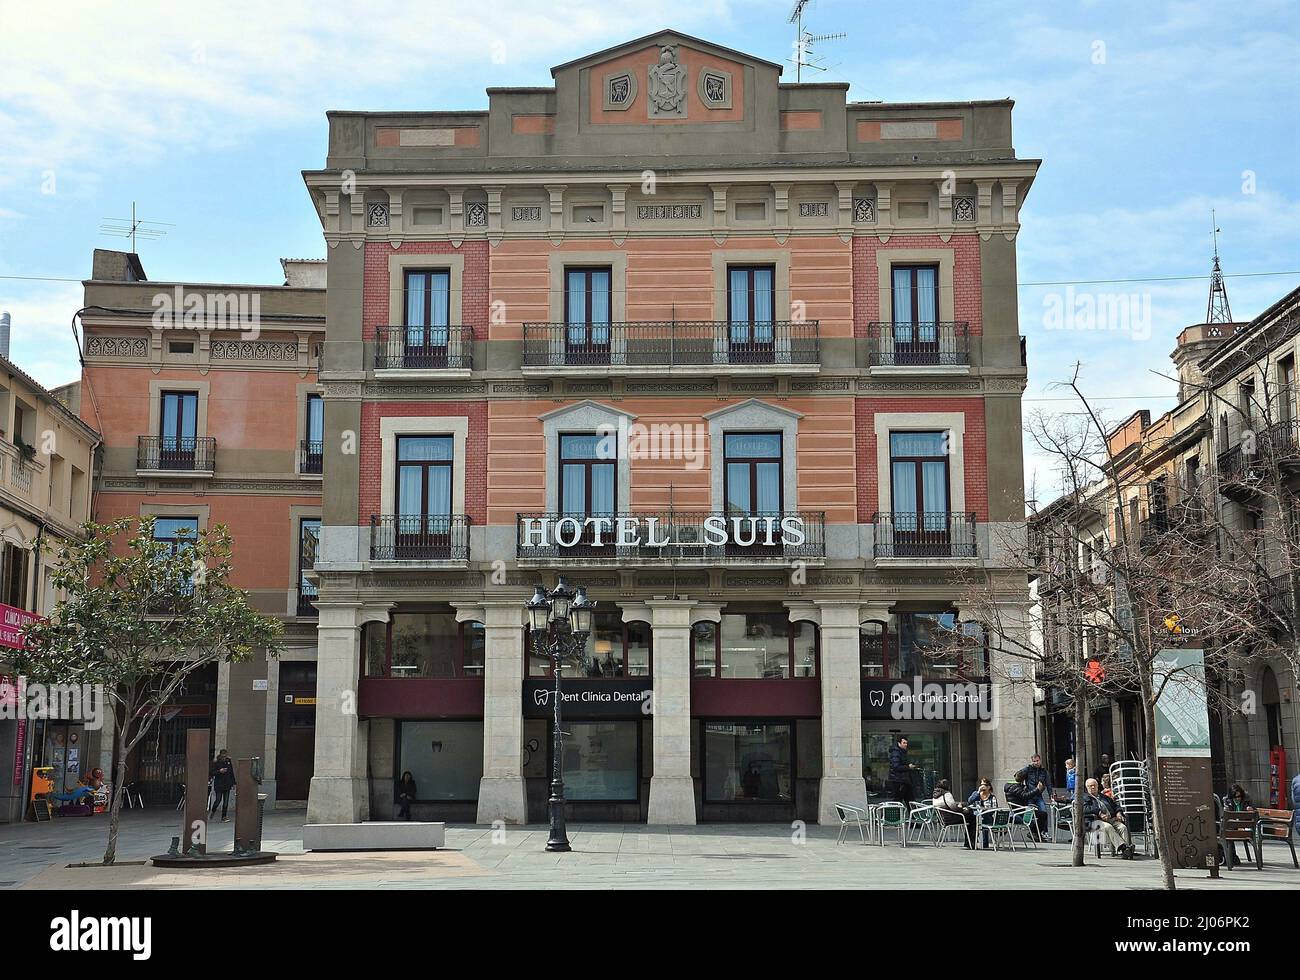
[672,343]
[424,348]
[676,537]
[307,594]
[311,456]
[419,537]
[931,343]
[183,454]
[1253,450]
[925,535]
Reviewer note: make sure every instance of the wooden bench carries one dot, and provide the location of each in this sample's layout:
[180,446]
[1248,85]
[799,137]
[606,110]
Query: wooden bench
[1239,825]
[1277,825]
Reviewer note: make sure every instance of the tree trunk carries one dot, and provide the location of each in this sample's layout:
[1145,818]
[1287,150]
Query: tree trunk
[1157,803]
[119,793]
[1079,840]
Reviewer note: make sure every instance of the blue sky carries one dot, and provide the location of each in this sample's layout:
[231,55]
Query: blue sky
[1146,115]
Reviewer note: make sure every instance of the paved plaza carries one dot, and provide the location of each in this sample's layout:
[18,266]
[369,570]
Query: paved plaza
[603,856]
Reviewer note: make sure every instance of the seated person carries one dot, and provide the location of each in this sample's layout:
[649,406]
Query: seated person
[1104,816]
[985,803]
[954,812]
[1238,800]
[975,793]
[1020,793]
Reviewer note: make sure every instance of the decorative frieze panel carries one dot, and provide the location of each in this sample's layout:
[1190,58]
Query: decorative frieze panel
[277,351]
[521,387]
[714,88]
[423,391]
[620,90]
[832,385]
[377,215]
[864,211]
[814,209]
[669,212]
[671,387]
[963,209]
[476,215]
[527,212]
[117,347]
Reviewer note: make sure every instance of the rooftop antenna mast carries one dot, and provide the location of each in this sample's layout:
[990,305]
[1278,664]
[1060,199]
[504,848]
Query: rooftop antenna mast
[1217,309]
[134,228]
[804,40]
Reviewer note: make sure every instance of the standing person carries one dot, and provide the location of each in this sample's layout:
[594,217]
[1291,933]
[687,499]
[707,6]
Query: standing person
[1103,769]
[405,795]
[900,772]
[1295,799]
[1071,777]
[1039,781]
[223,781]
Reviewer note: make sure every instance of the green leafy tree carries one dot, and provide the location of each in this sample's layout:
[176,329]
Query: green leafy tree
[138,616]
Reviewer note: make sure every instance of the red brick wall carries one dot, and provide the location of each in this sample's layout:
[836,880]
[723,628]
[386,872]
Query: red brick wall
[474,285]
[974,448]
[475,452]
[965,274]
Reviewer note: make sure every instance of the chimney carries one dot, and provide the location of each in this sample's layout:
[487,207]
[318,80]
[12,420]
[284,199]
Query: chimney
[4,335]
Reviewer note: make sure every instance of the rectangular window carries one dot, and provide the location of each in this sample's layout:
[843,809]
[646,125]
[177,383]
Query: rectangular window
[13,577]
[754,645]
[915,294]
[587,315]
[427,316]
[752,473]
[601,761]
[314,427]
[918,469]
[424,471]
[445,758]
[928,751]
[177,533]
[308,542]
[751,312]
[423,644]
[614,649]
[748,762]
[588,475]
[1286,389]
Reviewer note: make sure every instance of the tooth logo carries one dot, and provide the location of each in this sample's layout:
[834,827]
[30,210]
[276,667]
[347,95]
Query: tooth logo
[540,695]
[877,698]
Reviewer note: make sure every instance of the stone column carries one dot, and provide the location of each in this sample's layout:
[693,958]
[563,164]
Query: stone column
[1007,741]
[339,788]
[841,687]
[672,790]
[501,793]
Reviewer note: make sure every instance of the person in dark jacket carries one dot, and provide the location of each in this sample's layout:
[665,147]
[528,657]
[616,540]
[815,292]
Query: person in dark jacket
[1039,781]
[900,772]
[405,795]
[1104,816]
[223,781]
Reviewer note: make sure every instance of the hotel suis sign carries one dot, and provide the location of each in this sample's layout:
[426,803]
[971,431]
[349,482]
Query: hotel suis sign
[626,531]
[595,697]
[917,699]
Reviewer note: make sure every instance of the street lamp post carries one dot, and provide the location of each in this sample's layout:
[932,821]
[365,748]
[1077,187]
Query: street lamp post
[559,622]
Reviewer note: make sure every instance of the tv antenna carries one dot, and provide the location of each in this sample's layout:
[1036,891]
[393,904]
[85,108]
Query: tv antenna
[804,40]
[134,228]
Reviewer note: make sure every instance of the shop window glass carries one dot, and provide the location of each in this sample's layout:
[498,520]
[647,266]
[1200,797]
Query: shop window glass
[374,648]
[871,649]
[928,751]
[423,644]
[614,649]
[748,762]
[638,649]
[704,643]
[444,757]
[600,761]
[804,636]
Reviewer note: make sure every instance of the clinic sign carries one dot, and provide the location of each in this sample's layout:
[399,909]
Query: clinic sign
[13,626]
[588,697]
[627,531]
[916,699]
[1183,755]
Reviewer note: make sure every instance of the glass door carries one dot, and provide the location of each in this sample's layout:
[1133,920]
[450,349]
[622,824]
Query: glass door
[179,421]
[586,316]
[751,303]
[428,308]
[916,314]
[919,493]
[424,518]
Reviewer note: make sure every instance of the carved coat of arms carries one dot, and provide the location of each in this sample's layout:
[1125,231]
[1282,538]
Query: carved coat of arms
[667,89]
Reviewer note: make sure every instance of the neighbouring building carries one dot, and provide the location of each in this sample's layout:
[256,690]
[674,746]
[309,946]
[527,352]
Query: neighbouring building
[740,357]
[207,401]
[1236,415]
[46,456]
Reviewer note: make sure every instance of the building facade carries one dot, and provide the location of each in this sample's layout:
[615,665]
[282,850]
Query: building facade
[210,413]
[1199,468]
[46,456]
[738,356]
